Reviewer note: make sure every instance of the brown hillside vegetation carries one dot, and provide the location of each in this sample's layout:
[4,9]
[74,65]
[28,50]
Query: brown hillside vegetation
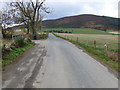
[83,21]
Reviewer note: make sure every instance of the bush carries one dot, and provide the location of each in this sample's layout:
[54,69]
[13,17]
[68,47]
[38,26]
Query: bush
[5,50]
[66,31]
[42,36]
[20,42]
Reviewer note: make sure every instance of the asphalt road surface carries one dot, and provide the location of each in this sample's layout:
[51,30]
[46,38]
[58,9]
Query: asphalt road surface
[56,63]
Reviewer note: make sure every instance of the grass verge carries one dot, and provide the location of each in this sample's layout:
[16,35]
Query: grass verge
[43,36]
[98,55]
[40,36]
[14,54]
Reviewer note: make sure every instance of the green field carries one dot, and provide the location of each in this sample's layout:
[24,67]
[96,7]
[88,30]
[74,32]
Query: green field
[78,30]
[86,41]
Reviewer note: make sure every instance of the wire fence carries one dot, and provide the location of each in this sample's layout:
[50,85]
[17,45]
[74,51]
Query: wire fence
[104,44]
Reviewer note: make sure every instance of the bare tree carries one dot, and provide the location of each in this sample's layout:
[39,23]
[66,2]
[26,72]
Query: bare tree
[0,22]
[6,18]
[31,13]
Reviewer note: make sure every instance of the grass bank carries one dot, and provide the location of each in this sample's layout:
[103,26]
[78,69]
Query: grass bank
[14,54]
[98,55]
[41,36]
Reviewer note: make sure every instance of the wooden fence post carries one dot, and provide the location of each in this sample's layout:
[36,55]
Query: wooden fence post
[106,47]
[77,39]
[87,42]
[71,38]
[94,44]
[67,37]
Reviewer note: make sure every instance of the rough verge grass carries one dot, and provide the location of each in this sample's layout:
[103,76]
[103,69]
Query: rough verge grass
[11,57]
[98,55]
[41,36]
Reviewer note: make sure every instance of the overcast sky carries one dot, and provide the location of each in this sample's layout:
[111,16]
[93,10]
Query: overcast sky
[62,8]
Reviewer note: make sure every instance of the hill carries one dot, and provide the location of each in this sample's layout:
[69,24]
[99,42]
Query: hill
[83,21]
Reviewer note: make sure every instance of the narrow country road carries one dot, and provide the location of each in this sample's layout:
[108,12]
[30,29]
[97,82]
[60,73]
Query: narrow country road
[56,63]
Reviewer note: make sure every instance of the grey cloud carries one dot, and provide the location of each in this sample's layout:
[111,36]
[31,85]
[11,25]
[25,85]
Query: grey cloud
[62,9]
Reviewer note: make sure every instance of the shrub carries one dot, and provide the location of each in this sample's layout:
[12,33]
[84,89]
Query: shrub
[66,31]
[20,42]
